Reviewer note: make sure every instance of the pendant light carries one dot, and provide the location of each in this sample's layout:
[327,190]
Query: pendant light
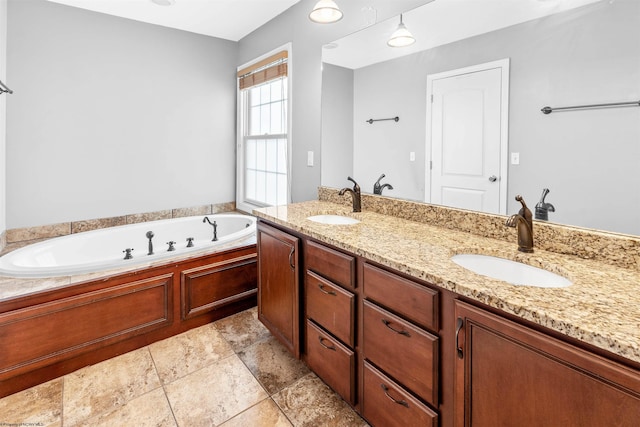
[401,37]
[326,12]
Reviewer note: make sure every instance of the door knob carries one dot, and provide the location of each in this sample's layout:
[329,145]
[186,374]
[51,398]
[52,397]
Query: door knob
[493,178]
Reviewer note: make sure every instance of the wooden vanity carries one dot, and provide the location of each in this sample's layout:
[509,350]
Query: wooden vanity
[405,351]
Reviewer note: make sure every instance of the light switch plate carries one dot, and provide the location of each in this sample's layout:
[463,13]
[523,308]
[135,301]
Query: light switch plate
[309,158]
[515,158]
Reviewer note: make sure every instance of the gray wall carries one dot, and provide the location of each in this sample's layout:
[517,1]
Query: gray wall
[337,125]
[589,159]
[3,115]
[307,39]
[112,116]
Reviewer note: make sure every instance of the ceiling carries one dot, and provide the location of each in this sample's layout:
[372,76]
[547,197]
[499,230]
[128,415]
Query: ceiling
[225,19]
[437,23]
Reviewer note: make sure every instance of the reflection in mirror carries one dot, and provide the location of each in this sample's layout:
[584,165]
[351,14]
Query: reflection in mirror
[574,52]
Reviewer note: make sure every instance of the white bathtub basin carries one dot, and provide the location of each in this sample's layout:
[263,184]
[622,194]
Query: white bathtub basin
[104,249]
[333,219]
[510,271]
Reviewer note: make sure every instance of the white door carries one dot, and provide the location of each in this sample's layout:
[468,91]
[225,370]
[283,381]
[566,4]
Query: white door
[468,134]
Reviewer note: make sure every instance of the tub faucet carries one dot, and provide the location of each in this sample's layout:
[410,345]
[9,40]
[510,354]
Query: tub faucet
[355,194]
[523,220]
[171,246]
[215,228]
[543,208]
[150,236]
[377,188]
[127,253]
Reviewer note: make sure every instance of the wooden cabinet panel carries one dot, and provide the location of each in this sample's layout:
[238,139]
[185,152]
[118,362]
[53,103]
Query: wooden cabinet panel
[278,294]
[333,265]
[215,285]
[507,373]
[330,306]
[402,350]
[331,361]
[45,333]
[402,296]
[385,404]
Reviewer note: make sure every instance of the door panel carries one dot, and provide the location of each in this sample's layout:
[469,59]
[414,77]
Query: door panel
[468,139]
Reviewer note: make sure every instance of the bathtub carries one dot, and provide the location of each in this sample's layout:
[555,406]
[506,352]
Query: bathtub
[104,249]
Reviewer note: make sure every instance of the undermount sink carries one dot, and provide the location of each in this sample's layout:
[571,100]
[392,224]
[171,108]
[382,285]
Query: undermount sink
[509,271]
[333,219]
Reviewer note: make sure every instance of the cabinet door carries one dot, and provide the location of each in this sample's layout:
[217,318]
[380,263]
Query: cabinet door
[278,301]
[507,374]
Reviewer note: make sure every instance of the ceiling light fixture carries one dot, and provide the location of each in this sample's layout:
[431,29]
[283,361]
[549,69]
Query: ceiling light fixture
[326,12]
[401,37]
[164,2]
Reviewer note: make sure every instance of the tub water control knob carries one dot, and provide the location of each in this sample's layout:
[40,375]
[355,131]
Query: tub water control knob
[171,247]
[189,242]
[127,253]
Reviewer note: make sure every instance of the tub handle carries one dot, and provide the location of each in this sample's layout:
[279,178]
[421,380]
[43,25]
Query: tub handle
[189,242]
[127,253]
[171,247]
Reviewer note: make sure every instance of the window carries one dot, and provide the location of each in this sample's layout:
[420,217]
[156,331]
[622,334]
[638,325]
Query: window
[263,143]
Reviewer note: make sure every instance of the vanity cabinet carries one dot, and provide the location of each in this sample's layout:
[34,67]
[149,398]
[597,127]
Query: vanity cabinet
[404,352]
[331,317]
[400,356]
[508,374]
[278,282]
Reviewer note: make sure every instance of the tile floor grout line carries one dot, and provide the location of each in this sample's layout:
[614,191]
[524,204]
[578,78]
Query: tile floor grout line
[62,400]
[162,385]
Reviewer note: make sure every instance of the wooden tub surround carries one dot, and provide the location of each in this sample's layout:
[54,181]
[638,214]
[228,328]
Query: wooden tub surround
[53,332]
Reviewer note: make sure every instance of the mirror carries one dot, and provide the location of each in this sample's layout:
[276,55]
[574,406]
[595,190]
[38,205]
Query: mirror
[560,54]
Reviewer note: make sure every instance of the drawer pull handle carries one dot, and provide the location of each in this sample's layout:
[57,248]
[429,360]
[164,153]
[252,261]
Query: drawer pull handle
[386,393]
[387,324]
[293,267]
[325,346]
[460,324]
[321,286]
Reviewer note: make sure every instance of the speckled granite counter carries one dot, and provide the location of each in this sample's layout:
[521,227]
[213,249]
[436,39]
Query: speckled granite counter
[601,308]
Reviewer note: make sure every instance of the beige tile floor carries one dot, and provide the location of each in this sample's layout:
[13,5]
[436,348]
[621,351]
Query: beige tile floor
[228,373]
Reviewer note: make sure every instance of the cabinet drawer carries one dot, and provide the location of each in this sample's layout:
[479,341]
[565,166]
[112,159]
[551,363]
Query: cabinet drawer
[335,266]
[331,361]
[402,350]
[405,297]
[386,404]
[330,306]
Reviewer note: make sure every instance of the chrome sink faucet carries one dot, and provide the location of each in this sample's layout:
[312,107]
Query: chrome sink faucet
[377,188]
[355,195]
[543,208]
[524,221]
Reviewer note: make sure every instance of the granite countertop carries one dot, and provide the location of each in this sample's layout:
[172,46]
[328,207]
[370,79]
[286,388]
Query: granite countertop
[601,307]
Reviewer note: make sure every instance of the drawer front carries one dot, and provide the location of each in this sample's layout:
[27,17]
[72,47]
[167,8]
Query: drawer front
[402,350]
[330,306]
[331,361]
[405,297]
[333,265]
[385,404]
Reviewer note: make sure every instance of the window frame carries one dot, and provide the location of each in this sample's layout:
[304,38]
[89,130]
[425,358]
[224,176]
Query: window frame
[242,203]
